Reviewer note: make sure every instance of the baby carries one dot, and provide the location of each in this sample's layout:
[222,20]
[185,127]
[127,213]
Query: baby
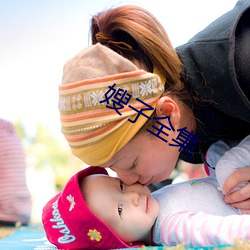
[96,211]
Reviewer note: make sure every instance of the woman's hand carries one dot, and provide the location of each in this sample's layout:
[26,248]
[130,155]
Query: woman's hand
[241,197]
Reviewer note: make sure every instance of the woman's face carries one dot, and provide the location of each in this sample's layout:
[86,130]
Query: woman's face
[145,159]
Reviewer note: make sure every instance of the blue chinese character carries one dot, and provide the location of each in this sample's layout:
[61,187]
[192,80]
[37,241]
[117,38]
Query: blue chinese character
[110,96]
[121,96]
[185,140]
[165,117]
[140,111]
[161,128]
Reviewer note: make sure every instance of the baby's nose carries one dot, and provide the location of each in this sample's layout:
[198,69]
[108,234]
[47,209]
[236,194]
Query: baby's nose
[133,198]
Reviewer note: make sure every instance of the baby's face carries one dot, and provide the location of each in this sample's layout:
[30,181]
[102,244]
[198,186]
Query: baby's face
[130,211]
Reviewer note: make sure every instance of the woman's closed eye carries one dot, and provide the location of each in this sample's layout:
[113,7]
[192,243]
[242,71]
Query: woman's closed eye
[121,186]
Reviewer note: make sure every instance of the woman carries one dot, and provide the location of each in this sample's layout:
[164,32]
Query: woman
[206,91]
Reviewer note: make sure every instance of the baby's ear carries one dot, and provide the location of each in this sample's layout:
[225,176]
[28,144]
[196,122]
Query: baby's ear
[166,106]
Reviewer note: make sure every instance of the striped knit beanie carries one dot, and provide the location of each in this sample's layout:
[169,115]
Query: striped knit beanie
[94,131]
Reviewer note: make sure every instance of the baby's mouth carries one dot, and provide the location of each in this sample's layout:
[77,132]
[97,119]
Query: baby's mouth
[147,203]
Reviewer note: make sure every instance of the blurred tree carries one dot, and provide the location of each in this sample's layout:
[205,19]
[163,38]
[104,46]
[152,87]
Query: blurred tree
[20,130]
[45,150]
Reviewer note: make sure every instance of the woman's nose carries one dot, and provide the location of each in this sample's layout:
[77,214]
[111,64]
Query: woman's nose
[126,177]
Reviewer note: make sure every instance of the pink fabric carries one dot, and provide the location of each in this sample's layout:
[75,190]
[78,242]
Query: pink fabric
[15,200]
[201,229]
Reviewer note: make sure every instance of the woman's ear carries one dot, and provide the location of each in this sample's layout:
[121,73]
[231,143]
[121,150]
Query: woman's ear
[166,106]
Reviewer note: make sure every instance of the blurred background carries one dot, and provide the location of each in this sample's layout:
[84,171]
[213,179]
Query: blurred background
[36,40]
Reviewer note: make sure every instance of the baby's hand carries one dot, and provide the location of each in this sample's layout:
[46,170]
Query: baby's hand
[241,197]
